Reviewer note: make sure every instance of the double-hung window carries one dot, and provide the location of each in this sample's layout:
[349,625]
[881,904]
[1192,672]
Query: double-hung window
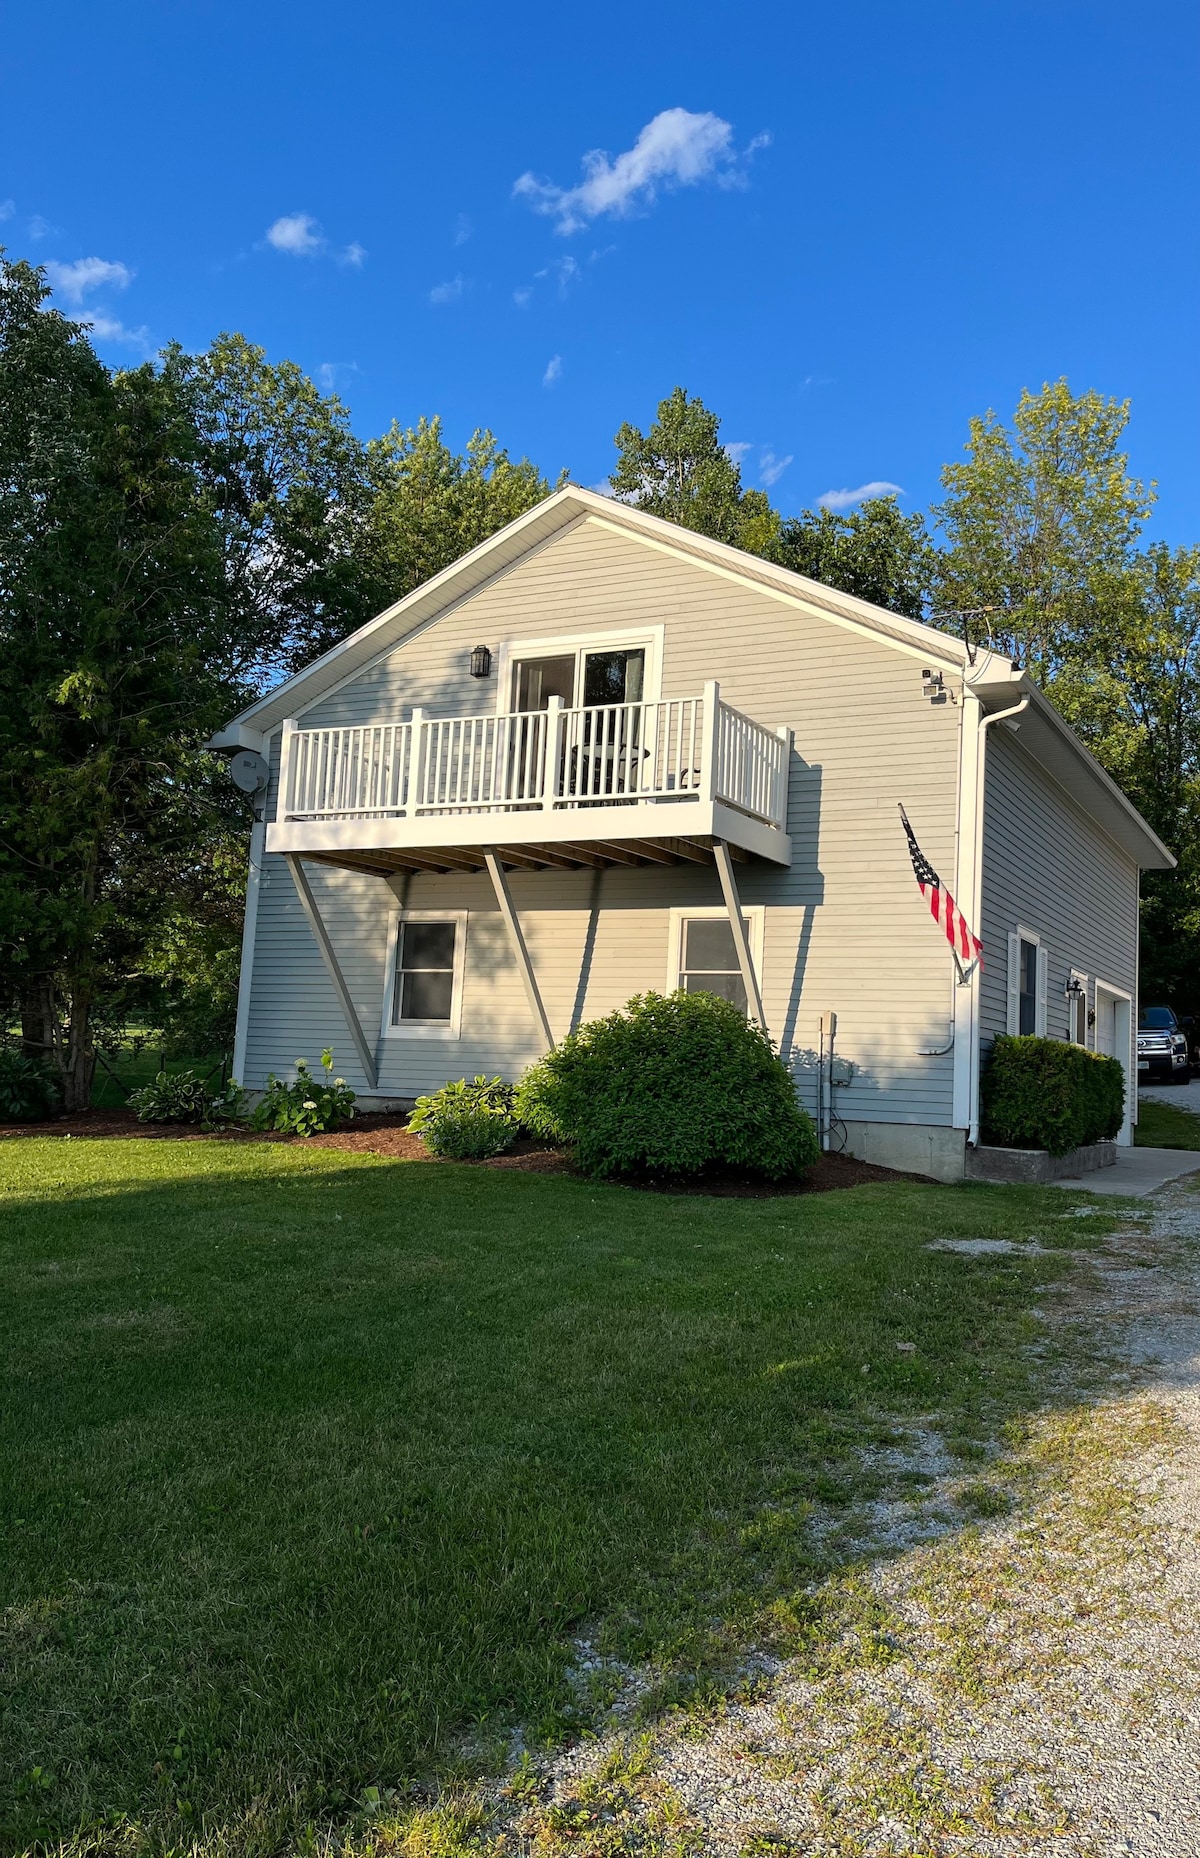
[703,956]
[426,958]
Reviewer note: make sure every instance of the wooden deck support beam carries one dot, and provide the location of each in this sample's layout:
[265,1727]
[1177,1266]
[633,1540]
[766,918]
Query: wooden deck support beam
[517,941]
[741,940]
[316,922]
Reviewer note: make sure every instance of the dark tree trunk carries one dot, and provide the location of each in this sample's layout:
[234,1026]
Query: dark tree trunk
[68,1046]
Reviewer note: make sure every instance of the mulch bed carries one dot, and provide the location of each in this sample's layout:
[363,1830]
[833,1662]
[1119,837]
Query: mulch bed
[384,1133]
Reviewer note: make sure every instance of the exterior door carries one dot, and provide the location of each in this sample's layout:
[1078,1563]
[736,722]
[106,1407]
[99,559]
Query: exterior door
[1114,1033]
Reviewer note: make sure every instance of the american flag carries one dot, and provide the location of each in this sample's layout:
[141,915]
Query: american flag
[942,907]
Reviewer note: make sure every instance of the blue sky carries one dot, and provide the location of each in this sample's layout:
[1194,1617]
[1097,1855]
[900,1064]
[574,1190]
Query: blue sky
[848,229]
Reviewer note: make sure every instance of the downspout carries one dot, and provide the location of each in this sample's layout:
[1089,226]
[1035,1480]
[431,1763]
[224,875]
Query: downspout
[984,724]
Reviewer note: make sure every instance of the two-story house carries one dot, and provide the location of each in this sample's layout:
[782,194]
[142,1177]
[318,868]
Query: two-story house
[602,754]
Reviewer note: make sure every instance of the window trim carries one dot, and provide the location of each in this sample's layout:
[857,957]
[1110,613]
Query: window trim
[424,1028]
[1013,1013]
[755,914]
[648,638]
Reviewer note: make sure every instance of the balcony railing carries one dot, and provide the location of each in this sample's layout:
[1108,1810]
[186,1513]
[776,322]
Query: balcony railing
[624,754]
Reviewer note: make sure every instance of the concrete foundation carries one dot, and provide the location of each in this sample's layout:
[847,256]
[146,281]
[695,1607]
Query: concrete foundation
[912,1148]
[1032,1166]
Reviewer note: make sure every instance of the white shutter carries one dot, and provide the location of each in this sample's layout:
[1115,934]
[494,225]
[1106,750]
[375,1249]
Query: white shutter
[1043,967]
[1014,984]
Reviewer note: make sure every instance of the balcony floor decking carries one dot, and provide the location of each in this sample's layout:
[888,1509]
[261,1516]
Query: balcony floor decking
[363,845]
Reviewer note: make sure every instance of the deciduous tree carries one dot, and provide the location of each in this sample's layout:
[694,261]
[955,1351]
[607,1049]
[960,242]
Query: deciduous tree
[877,553]
[429,505]
[679,470]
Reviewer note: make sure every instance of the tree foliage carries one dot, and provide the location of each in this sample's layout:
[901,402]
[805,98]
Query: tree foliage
[1044,521]
[285,480]
[679,470]
[116,660]
[1037,518]
[876,553]
[429,505]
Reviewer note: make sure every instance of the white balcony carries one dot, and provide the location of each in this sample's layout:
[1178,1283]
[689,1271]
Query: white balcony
[620,783]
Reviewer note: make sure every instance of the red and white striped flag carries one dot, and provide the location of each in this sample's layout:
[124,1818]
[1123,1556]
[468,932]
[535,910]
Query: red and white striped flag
[942,907]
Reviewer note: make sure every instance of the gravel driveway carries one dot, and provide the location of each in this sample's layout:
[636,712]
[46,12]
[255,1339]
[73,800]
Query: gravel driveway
[1030,1684]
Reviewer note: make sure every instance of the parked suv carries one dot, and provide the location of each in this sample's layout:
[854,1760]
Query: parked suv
[1163,1046]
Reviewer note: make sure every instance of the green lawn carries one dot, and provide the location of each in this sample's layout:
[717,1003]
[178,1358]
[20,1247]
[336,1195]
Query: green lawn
[1165,1125]
[314,1462]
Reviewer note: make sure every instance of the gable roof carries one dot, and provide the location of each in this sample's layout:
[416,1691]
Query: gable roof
[988,674]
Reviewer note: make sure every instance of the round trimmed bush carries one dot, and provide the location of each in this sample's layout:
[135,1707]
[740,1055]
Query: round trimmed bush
[673,1085]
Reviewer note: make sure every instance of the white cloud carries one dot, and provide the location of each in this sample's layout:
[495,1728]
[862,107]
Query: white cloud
[678,148]
[603,488]
[564,271]
[297,234]
[7,208]
[106,328]
[737,449]
[553,371]
[771,468]
[77,281]
[330,373]
[846,499]
[462,229]
[522,294]
[450,291]
[39,228]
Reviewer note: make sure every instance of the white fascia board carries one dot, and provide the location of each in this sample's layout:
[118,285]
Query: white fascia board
[1076,770]
[432,600]
[661,820]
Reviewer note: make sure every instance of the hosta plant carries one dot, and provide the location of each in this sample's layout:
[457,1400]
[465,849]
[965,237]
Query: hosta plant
[468,1120]
[28,1090]
[173,1097]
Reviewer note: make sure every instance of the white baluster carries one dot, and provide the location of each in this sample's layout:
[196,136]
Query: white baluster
[708,741]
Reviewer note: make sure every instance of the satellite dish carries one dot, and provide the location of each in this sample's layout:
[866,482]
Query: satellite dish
[249,770]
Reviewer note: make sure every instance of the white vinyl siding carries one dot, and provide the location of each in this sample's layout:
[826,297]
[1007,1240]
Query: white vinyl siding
[845,928]
[1048,873]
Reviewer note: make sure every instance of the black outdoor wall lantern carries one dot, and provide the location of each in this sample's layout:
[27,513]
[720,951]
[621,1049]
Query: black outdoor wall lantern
[481,662]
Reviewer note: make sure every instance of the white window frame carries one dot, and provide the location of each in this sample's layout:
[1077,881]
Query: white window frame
[425,1028]
[1077,974]
[1013,1021]
[1129,1061]
[755,914]
[649,638]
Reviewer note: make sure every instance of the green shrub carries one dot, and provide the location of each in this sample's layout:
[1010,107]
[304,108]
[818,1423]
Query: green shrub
[476,1093]
[173,1097]
[468,1120]
[470,1133]
[1046,1093]
[305,1107]
[28,1089]
[672,1085]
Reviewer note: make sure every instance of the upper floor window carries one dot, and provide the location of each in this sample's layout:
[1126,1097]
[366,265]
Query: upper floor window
[584,679]
[584,671]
